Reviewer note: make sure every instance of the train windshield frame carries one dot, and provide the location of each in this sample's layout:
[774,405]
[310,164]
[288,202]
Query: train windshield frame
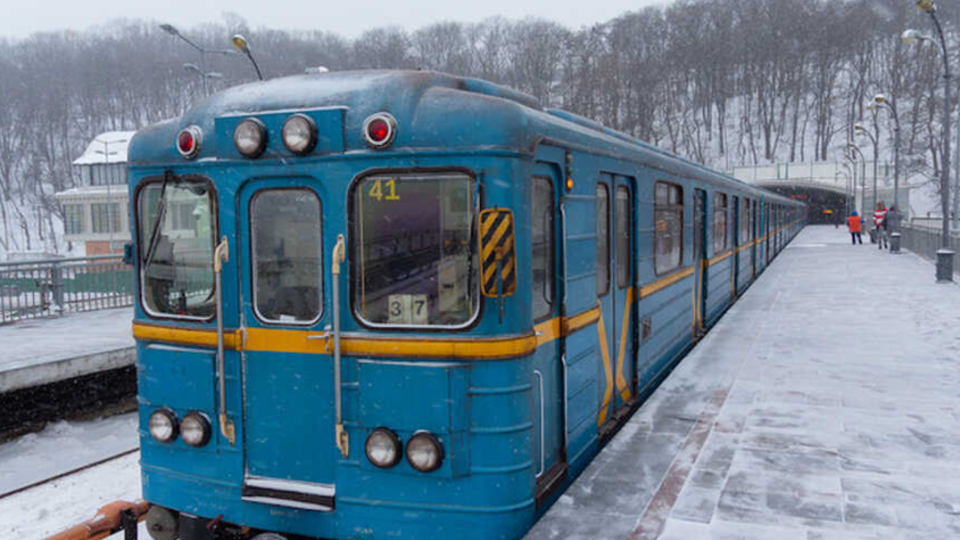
[176,269]
[414,249]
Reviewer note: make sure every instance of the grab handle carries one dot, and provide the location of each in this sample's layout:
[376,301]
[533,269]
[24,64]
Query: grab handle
[339,256]
[222,255]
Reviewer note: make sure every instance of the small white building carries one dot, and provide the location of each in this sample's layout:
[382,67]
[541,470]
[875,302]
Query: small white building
[95,212]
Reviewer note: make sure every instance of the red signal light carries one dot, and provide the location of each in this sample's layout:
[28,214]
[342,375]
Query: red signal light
[379,130]
[188,142]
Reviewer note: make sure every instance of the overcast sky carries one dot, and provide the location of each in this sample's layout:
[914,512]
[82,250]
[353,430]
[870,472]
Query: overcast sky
[22,17]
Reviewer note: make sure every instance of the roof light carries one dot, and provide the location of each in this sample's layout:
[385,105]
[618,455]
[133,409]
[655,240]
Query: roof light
[189,141]
[379,130]
[250,137]
[300,134]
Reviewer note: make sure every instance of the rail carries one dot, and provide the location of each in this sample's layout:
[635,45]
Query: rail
[924,240]
[52,287]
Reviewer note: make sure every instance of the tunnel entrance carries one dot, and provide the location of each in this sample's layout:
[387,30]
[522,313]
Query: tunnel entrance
[823,206]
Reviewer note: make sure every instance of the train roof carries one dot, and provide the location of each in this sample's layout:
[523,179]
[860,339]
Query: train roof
[433,110]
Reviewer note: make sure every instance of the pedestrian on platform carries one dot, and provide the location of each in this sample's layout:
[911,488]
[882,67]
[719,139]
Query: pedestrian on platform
[880,225]
[855,226]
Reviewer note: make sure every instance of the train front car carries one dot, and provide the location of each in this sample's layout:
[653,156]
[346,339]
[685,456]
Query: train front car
[397,221]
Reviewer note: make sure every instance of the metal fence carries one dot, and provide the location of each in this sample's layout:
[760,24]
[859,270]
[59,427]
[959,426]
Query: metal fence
[45,288]
[924,240]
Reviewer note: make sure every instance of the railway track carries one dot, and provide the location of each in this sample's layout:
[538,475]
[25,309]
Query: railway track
[75,470]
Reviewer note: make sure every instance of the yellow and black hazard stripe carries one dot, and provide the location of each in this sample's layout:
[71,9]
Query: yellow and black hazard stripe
[497,248]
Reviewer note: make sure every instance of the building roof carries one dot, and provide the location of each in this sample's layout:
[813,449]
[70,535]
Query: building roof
[116,145]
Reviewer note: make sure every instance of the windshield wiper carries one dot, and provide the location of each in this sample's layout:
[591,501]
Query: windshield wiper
[160,211]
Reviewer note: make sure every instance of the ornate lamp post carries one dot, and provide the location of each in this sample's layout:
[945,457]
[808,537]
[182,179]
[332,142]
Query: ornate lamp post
[202,68]
[858,129]
[880,101]
[944,254]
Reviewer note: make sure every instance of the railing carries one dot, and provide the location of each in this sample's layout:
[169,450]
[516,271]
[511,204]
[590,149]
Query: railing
[46,288]
[924,240]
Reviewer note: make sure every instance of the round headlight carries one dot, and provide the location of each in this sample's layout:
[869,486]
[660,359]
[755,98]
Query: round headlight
[163,425]
[300,134]
[195,429]
[424,452]
[250,137]
[383,448]
[379,130]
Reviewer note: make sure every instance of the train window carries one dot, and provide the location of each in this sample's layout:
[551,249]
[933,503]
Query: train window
[415,254]
[668,220]
[623,236]
[603,240]
[177,273]
[721,231]
[745,215]
[287,248]
[543,239]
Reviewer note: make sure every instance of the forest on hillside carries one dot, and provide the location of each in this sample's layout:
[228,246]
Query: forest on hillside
[721,82]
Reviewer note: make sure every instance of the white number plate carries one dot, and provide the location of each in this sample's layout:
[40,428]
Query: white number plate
[407,309]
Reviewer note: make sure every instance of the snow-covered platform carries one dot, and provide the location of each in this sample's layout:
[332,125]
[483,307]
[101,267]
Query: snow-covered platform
[41,351]
[825,405]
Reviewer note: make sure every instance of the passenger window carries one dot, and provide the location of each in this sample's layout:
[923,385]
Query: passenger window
[543,247]
[720,228]
[603,240]
[623,236]
[286,232]
[745,222]
[668,221]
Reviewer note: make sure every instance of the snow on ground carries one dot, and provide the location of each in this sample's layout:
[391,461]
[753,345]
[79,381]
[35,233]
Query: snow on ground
[823,406]
[60,504]
[62,447]
[38,351]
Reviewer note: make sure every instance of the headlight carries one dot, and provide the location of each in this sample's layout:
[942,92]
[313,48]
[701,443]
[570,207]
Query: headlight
[383,448]
[424,452]
[250,137]
[195,429]
[300,134]
[163,425]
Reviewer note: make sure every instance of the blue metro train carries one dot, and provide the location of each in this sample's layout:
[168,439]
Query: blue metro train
[397,304]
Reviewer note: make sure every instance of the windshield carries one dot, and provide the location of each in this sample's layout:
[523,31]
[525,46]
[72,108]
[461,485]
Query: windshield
[177,239]
[413,237]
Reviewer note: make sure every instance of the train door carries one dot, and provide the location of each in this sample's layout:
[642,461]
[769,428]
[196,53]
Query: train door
[735,267]
[766,234]
[753,238]
[548,384]
[289,444]
[699,259]
[616,219]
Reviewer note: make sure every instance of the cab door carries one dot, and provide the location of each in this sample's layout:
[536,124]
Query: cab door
[699,259]
[289,447]
[616,220]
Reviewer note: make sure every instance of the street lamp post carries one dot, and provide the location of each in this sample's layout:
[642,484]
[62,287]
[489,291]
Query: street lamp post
[881,101]
[944,254]
[858,129]
[863,175]
[202,68]
[106,153]
[851,181]
[846,182]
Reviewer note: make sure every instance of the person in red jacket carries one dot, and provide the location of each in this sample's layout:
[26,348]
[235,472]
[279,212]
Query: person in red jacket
[880,225]
[854,225]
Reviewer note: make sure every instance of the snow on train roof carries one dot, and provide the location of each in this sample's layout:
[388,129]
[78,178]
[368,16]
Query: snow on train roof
[113,142]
